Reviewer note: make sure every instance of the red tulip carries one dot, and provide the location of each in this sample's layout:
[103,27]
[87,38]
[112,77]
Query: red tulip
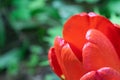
[89,49]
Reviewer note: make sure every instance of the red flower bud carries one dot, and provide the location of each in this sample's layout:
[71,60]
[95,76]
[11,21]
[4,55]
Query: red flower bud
[89,49]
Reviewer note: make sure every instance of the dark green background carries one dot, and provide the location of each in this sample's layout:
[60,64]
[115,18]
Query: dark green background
[28,29]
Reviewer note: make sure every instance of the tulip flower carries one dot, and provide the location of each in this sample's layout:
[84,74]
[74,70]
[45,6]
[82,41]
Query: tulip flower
[89,49]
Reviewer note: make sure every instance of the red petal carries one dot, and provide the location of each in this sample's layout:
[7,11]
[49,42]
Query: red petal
[108,74]
[76,27]
[114,36]
[72,65]
[99,52]
[74,30]
[58,45]
[105,73]
[91,76]
[54,62]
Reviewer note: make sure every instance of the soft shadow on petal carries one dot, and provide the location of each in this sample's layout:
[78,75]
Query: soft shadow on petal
[72,65]
[98,52]
[92,75]
[114,36]
[54,62]
[105,73]
[108,73]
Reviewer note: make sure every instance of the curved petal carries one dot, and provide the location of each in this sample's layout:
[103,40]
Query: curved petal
[108,73]
[54,62]
[76,27]
[114,37]
[73,66]
[91,76]
[74,30]
[105,73]
[98,52]
[58,45]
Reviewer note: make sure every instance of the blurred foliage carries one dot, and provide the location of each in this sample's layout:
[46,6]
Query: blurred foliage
[28,29]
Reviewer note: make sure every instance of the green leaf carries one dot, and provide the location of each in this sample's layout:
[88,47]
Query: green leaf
[66,10]
[9,58]
[21,10]
[53,32]
[36,4]
[44,63]
[114,18]
[2,34]
[114,6]
[34,60]
[88,1]
[51,77]
[20,3]
[36,49]
[22,14]
[13,68]
[53,12]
